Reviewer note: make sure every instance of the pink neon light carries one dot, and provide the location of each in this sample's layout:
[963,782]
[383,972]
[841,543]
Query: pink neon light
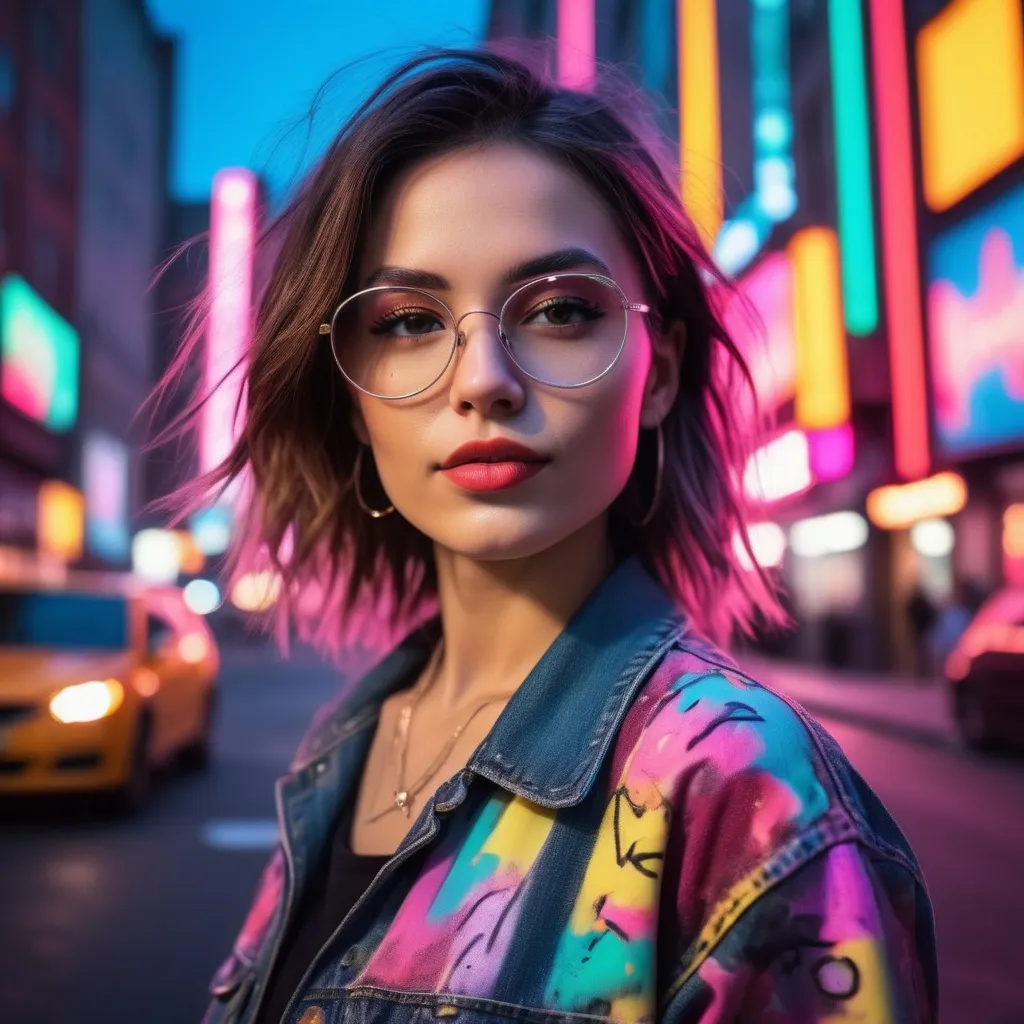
[780,469]
[760,321]
[899,239]
[232,239]
[832,451]
[576,44]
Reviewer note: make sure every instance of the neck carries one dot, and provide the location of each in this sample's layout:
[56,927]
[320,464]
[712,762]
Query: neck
[499,617]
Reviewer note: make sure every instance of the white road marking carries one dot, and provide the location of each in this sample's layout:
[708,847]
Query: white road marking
[241,834]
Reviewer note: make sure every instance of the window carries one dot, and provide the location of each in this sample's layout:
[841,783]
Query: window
[6,77]
[63,620]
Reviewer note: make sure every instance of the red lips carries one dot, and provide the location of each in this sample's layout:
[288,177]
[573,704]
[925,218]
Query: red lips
[492,465]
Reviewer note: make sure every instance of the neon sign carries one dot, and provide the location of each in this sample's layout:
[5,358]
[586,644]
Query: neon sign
[853,165]
[898,204]
[38,357]
[970,71]
[105,475]
[774,197]
[232,241]
[576,43]
[700,128]
[976,329]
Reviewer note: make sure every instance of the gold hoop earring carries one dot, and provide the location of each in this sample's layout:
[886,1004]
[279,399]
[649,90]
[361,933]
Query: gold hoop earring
[357,473]
[659,472]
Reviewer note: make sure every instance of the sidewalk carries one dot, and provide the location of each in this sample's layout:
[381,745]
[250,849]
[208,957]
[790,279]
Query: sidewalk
[919,711]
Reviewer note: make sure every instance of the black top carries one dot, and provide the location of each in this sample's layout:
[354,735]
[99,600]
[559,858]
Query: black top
[339,880]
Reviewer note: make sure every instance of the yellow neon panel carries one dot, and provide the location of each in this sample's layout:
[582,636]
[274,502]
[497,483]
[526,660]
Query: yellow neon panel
[822,375]
[60,515]
[970,74]
[700,129]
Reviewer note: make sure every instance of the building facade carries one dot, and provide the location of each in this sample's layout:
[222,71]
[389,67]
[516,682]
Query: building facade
[127,76]
[40,131]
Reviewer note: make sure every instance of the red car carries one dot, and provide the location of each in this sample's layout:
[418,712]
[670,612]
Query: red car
[986,673]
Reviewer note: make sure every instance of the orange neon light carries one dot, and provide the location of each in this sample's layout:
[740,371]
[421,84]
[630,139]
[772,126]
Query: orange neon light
[822,376]
[970,72]
[1013,531]
[899,240]
[899,506]
[700,127]
[60,520]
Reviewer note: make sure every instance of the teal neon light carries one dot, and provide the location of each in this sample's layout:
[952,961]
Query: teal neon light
[774,198]
[853,166]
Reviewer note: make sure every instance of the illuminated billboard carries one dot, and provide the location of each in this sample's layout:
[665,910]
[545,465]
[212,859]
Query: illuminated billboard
[38,357]
[976,329]
[970,80]
[105,474]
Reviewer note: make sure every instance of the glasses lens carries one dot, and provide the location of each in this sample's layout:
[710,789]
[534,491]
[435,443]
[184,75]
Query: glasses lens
[393,342]
[565,330]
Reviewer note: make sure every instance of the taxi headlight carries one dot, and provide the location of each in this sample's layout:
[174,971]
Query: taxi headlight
[87,702]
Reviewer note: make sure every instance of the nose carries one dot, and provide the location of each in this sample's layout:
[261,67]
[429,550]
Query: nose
[485,378]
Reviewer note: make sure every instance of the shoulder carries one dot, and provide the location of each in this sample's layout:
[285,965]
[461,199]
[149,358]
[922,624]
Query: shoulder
[708,731]
[747,791]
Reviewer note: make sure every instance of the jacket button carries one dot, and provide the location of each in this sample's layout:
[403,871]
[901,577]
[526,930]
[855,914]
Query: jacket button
[313,1015]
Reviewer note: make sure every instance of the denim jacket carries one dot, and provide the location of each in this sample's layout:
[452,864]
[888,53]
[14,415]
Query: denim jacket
[645,834]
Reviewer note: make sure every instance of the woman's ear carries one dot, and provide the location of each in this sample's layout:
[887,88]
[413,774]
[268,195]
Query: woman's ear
[662,386]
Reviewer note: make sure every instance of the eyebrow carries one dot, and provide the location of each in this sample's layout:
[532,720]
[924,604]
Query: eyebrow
[550,263]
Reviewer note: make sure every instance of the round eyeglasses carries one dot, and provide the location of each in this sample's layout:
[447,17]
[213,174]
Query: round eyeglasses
[564,330]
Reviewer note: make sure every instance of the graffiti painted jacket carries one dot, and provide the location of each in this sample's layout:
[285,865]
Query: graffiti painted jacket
[645,834]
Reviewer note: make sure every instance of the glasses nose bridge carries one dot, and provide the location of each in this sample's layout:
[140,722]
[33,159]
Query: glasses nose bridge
[460,335]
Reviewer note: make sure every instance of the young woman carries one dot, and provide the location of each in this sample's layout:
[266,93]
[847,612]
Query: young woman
[488,380]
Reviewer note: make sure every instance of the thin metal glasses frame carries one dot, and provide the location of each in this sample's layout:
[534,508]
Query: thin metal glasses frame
[327,328]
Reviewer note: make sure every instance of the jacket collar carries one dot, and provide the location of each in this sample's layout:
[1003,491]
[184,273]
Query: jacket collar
[549,742]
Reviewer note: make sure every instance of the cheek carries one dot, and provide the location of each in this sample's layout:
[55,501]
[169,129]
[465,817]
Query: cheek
[394,432]
[601,445]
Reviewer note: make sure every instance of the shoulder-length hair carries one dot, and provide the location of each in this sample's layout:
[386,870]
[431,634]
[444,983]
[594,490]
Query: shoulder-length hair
[296,449]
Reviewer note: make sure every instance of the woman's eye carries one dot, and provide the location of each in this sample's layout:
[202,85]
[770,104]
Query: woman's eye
[563,313]
[408,325]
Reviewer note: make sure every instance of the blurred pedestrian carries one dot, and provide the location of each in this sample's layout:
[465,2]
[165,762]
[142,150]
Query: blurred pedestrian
[484,393]
[921,617]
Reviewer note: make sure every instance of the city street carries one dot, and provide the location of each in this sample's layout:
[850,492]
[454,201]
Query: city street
[106,921]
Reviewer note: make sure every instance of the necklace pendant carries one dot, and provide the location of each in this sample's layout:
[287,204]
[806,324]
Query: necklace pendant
[402,801]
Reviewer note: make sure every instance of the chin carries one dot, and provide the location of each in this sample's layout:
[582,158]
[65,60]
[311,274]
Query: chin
[491,535]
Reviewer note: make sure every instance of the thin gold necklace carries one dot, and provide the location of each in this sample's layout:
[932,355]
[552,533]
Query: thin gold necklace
[405,794]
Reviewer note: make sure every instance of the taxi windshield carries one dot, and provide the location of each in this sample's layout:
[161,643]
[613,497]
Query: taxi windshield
[61,620]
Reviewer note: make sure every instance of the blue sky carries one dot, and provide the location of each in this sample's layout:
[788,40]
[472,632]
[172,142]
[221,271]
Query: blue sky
[246,80]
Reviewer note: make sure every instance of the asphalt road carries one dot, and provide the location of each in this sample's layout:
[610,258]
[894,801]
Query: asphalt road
[104,922]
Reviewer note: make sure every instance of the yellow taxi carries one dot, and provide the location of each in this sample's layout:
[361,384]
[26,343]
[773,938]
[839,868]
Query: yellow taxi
[97,688]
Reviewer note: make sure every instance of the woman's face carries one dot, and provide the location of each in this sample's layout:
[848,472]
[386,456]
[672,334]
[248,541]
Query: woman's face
[469,219]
